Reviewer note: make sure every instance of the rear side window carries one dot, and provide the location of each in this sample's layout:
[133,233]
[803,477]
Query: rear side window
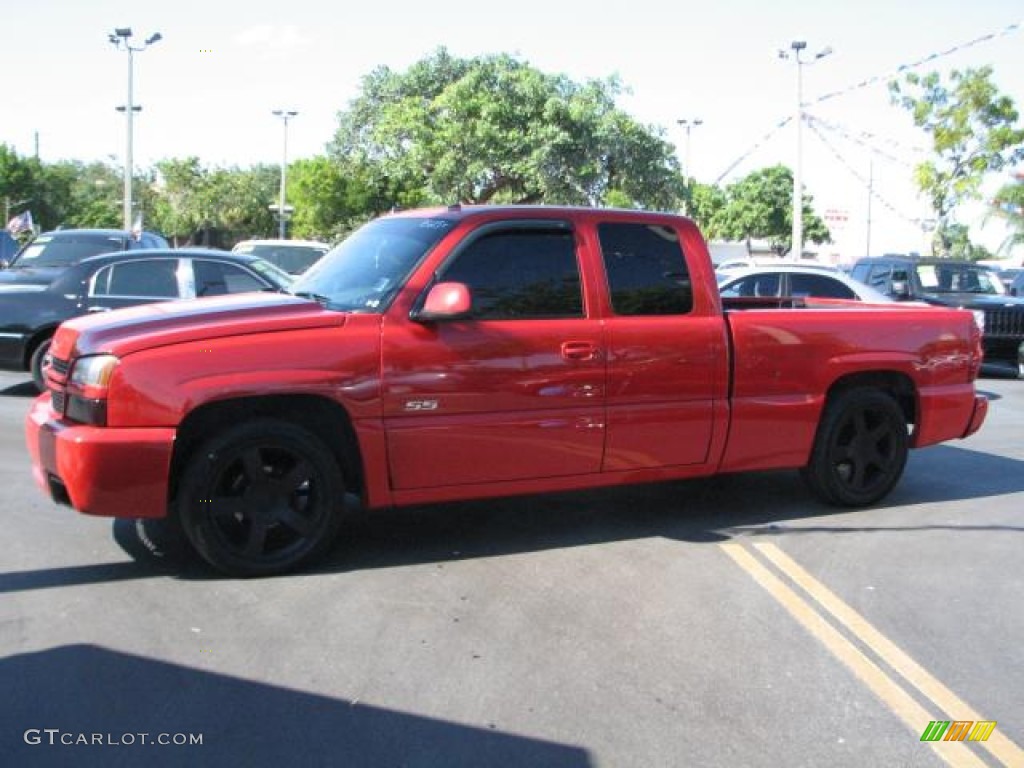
[820,286]
[520,274]
[647,272]
[149,279]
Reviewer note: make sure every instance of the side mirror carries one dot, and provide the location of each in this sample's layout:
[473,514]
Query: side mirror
[445,301]
[900,289]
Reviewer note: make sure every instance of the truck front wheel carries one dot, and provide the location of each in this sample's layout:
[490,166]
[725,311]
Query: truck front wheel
[860,450]
[261,498]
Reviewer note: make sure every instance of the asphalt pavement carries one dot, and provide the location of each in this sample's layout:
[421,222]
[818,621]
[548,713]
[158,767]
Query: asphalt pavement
[732,621]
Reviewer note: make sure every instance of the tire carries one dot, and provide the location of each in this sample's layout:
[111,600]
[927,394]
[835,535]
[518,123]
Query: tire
[261,498]
[35,364]
[860,450]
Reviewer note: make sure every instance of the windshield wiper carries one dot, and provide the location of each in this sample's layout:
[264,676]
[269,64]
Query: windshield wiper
[319,298]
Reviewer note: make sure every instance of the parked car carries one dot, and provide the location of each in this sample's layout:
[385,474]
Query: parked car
[952,283]
[50,252]
[730,265]
[1016,287]
[293,256]
[797,281]
[31,312]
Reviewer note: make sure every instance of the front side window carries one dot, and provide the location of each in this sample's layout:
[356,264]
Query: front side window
[519,274]
[647,272]
[215,278]
[149,279]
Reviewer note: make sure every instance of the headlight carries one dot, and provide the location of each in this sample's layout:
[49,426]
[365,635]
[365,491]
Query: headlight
[979,319]
[87,389]
[93,372]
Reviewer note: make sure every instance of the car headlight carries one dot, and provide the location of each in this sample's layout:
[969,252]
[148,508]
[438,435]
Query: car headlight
[87,389]
[979,319]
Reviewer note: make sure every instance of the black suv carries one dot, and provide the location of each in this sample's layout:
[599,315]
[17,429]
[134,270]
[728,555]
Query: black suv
[951,283]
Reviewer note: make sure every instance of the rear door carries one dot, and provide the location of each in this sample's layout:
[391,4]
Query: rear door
[516,391]
[667,359]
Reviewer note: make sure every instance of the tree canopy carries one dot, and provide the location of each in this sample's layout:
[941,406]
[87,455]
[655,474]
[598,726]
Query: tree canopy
[974,132]
[495,129]
[758,206]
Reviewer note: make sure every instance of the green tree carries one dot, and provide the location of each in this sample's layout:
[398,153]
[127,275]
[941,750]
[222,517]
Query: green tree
[1008,205]
[494,129]
[974,132]
[20,186]
[761,206]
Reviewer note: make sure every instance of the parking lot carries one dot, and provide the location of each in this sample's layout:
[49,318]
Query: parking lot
[724,622]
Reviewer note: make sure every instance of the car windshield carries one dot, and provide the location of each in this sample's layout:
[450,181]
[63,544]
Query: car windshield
[959,278]
[365,271]
[57,251]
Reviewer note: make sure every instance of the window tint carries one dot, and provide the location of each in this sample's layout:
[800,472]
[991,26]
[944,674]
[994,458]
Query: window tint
[647,273]
[820,286]
[752,285]
[152,278]
[520,274]
[215,278]
[879,277]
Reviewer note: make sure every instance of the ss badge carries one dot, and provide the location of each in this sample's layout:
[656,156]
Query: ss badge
[421,405]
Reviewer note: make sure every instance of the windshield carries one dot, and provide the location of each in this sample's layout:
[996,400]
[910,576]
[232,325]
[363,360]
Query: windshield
[365,271]
[56,251]
[959,278]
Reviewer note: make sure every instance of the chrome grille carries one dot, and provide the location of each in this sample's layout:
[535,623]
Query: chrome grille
[1005,322]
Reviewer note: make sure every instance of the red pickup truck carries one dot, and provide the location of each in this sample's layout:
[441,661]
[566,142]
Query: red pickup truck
[470,352]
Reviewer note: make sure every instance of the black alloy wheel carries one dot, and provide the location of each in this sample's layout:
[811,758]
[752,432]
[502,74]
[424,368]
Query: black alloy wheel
[262,498]
[860,450]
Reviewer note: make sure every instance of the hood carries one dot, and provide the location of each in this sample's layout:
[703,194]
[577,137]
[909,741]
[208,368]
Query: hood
[30,278]
[124,331]
[974,300]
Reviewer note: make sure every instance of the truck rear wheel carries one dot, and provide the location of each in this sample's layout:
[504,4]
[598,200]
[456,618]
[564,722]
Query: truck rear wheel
[860,450]
[261,498]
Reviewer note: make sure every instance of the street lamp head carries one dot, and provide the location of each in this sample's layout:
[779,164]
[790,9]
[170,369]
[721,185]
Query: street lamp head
[826,51]
[798,45]
[124,32]
[156,37]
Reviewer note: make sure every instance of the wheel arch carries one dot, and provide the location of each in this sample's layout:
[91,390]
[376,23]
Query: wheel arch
[39,336]
[896,384]
[323,417]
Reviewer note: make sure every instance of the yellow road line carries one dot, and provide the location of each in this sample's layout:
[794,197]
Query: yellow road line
[898,700]
[998,745]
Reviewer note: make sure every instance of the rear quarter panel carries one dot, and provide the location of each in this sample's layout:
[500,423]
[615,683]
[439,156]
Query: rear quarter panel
[786,361]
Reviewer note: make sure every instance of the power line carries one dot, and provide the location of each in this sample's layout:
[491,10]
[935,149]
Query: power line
[861,138]
[757,145]
[1008,29]
[869,186]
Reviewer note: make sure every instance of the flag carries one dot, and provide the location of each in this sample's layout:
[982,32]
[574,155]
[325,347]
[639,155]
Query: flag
[137,226]
[21,223]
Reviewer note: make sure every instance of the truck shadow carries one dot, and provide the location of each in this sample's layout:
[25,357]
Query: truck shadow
[84,691]
[703,511]
[695,511]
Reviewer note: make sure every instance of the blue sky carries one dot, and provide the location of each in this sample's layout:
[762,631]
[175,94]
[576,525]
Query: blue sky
[207,89]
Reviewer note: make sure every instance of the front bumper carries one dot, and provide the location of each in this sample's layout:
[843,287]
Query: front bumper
[111,472]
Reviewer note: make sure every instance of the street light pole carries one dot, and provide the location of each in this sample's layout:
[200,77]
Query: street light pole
[688,124]
[120,39]
[797,248]
[282,215]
